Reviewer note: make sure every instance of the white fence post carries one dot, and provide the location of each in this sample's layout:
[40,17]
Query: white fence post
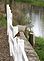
[9,18]
[10,46]
[9,22]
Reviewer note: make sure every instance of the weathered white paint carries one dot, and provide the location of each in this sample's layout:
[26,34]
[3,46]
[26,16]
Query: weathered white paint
[9,18]
[16,44]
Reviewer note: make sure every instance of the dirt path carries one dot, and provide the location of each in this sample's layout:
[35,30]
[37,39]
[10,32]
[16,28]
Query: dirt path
[4,46]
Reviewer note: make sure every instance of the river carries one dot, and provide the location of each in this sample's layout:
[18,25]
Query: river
[37,17]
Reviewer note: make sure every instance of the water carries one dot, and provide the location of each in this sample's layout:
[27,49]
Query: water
[37,17]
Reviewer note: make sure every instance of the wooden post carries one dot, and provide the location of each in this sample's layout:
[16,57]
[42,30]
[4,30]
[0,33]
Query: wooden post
[9,18]
[32,38]
[10,45]
[9,22]
[20,43]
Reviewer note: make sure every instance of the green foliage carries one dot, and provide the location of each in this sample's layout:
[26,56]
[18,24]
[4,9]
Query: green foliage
[3,22]
[33,2]
[39,47]
[38,3]
[24,1]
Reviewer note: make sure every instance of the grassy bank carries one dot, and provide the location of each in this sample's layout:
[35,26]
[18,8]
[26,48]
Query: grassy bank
[3,22]
[39,47]
[33,2]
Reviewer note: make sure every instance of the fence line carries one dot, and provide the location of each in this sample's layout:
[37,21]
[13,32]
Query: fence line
[16,44]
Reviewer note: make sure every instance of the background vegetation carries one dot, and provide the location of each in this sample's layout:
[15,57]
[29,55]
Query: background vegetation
[39,47]
[33,2]
[3,22]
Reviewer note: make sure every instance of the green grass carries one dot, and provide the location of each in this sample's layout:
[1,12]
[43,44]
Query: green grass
[3,21]
[39,47]
[38,3]
[33,2]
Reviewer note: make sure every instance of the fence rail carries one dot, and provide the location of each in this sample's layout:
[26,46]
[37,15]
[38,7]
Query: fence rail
[16,44]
